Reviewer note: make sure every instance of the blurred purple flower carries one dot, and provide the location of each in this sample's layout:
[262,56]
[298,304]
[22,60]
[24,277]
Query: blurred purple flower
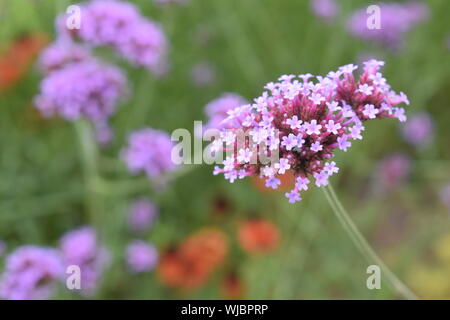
[419,130]
[80,247]
[119,24]
[141,256]
[325,9]
[103,23]
[445,195]
[217,109]
[392,171]
[146,46]
[202,74]
[84,89]
[142,214]
[149,150]
[396,20]
[61,53]
[31,273]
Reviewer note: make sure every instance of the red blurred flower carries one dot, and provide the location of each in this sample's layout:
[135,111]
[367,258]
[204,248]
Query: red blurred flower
[258,236]
[176,272]
[189,265]
[209,246]
[15,60]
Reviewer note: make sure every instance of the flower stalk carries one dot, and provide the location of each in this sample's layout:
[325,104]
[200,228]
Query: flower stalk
[89,154]
[363,246]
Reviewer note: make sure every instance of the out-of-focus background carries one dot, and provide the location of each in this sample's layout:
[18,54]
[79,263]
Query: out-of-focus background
[201,236]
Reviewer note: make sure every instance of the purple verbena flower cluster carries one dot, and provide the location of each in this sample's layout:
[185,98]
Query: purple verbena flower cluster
[83,89]
[202,74]
[141,256]
[80,247]
[392,171]
[76,84]
[142,214]
[149,150]
[419,130]
[396,19]
[31,272]
[61,54]
[303,122]
[120,25]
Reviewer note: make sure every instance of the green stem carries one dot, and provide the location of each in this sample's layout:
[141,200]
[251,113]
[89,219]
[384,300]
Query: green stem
[89,155]
[363,245]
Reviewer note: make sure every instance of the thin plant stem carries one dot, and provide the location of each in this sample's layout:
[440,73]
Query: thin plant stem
[88,157]
[363,246]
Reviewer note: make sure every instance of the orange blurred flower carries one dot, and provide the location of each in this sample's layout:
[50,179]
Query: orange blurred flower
[287,183]
[177,272]
[258,236]
[232,287]
[189,265]
[15,60]
[208,245]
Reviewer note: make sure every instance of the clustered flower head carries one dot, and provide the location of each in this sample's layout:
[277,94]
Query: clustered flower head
[142,214]
[120,25]
[419,130]
[396,19]
[77,84]
[302,123]
[84,89]
[217,110]
[141,256]
[149,150]
[31,273]
[80,247]
[60,54]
